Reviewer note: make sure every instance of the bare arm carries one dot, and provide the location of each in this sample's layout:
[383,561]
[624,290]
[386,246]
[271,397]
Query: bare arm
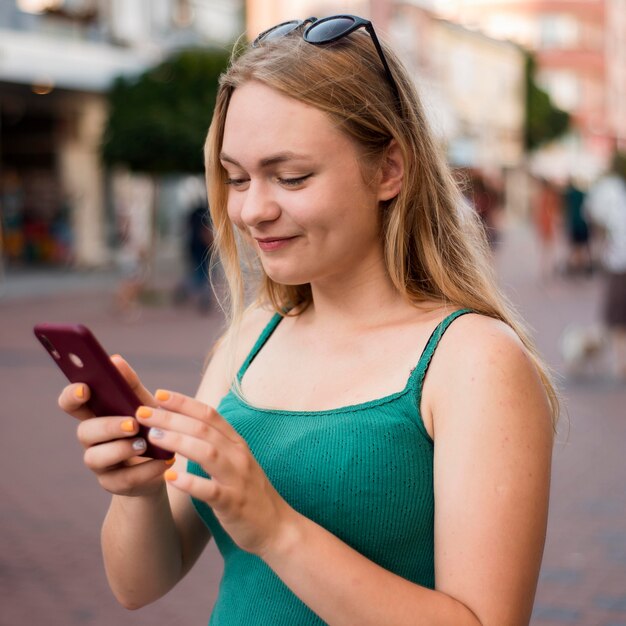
[151,541]
[151,536]
[493,453]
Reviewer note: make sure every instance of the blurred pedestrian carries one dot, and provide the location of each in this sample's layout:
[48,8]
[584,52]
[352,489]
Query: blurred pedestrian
[132,262]
[606,207]
[134,198]
[579,258]
[381,414]
[198,240]
[546,217]
[484,200]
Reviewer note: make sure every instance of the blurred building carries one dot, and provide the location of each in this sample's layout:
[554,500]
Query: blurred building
[473,88]
[580,48]
[57,60]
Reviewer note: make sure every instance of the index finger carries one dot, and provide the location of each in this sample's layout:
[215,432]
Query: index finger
[191,407]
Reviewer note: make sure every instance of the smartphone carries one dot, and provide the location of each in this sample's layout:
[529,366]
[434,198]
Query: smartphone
[82,359]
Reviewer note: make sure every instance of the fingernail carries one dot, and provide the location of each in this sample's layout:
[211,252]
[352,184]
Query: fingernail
[139,444]
[144,411]
[156,433]
[162,396]
[79,392]
[170,461]
[170,474]
[128,426]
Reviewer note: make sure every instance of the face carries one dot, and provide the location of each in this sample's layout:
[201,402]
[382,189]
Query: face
[297,189]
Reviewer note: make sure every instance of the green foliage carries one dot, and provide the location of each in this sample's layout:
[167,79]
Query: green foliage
[158,121]
[544,121]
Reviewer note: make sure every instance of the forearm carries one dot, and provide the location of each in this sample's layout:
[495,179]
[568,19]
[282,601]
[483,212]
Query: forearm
[344,587]
[141,548]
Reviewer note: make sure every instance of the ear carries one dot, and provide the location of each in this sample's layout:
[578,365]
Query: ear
[391,172]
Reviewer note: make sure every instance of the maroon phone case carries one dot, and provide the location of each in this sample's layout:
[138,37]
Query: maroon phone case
[110,393]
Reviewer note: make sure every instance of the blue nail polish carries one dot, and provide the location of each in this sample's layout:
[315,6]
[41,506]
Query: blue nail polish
[156,433]
[139,444]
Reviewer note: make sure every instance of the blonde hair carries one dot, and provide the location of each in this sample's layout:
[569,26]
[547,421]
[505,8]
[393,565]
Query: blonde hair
[435,248]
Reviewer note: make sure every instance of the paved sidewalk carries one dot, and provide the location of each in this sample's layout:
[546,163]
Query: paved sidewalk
[28,283]
[50,566]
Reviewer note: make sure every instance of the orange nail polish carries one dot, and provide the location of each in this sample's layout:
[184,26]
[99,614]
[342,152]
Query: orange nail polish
[80,392]
[144,411]
[128,426]
[170,461]
[170,474]
[161,395]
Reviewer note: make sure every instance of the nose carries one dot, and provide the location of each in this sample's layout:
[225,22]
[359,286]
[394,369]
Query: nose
[259,204]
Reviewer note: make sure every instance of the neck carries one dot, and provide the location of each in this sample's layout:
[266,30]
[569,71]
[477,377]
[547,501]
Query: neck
[361,298]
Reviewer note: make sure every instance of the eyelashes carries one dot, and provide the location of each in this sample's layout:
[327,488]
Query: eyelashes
[236,182]
[239,183]
[293,182]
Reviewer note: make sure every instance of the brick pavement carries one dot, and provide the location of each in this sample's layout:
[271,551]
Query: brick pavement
[50,565]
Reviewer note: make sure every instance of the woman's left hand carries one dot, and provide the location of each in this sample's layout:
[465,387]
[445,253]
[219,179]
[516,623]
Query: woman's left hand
[239,492]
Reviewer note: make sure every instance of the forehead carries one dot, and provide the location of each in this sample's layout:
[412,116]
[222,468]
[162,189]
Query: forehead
[261,120]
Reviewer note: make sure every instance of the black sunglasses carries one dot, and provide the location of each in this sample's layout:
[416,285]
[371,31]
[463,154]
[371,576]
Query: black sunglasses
[327,30]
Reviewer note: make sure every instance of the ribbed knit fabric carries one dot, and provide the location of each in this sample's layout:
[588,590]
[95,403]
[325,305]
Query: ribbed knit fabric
[364,472]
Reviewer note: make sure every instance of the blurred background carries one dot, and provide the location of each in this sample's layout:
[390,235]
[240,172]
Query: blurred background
[104,107]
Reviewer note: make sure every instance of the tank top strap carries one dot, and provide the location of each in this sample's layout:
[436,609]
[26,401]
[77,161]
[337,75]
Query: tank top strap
[260,342]
[416,381]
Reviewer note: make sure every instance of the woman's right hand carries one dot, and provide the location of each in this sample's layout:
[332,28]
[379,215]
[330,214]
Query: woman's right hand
[112,447]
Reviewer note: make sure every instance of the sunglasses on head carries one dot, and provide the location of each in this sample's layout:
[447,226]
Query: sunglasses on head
[327,30]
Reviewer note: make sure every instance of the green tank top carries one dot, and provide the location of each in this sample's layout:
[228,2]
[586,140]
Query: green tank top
[364,472]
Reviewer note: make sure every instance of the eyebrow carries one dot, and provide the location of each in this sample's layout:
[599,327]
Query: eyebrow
[274,159]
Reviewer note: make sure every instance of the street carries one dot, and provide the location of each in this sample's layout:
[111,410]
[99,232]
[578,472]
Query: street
[50,564]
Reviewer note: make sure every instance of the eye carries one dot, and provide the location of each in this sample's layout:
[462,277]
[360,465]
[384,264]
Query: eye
[293,182]
[237,183]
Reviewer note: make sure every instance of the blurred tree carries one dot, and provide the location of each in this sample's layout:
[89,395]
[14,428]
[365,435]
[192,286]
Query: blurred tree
[158,121]
[544,120]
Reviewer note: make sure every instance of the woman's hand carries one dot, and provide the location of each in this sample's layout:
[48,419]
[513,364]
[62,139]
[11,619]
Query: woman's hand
[239,492]
[112,447]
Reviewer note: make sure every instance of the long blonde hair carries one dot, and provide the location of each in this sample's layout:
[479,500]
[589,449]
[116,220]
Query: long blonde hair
[435,248]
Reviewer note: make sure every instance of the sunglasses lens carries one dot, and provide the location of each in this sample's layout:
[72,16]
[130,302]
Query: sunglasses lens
[321,32]
[279,31]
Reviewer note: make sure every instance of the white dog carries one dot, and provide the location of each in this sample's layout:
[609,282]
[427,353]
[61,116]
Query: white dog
[583,349]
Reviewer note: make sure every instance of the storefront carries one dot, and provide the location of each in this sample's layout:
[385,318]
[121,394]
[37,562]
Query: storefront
[51,187]
[35,215]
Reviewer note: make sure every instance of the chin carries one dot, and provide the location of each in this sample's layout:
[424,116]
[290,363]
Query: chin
[287,279]
[287,275]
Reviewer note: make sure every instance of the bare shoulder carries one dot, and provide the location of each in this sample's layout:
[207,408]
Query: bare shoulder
[254,321]
[228,355]
[475,344]
[486,365]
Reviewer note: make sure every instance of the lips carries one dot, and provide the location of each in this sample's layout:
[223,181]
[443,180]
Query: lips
[268,244]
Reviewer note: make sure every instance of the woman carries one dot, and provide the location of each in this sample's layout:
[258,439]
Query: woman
[605,206]
[547,217]
[365,467]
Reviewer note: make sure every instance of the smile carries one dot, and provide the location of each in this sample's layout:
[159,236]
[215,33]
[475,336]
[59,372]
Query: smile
[274,243]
